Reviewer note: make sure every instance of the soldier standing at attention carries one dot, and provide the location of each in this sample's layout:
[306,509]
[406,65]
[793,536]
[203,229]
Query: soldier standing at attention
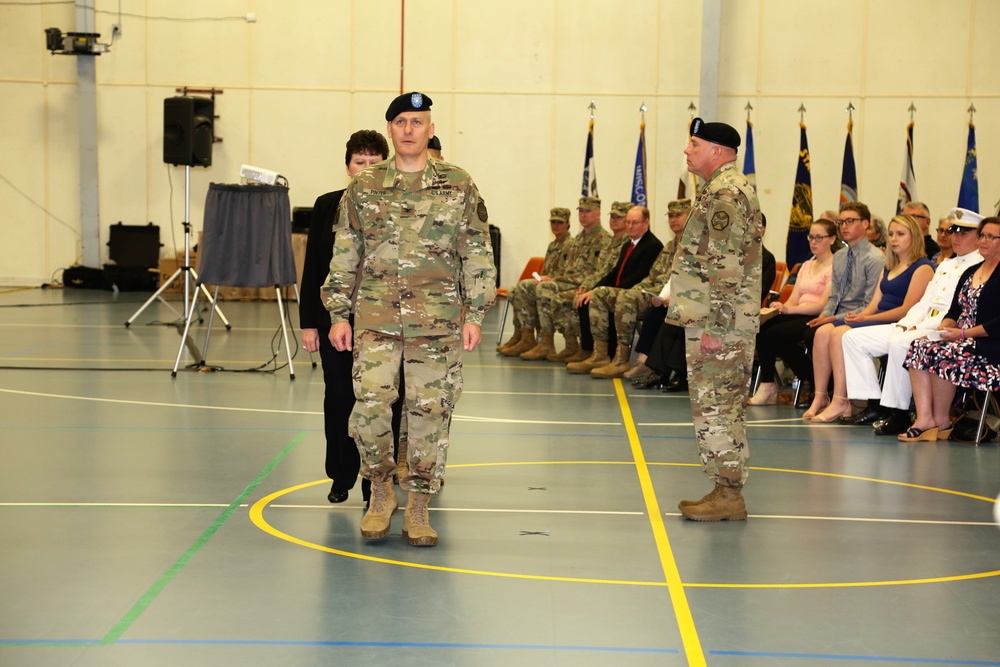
[715,296]
[412,234]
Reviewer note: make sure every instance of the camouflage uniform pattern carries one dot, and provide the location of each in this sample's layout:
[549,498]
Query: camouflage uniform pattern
[587,248]
[715,290]
[627,304]
[523,297]
[414,255]
[433,386]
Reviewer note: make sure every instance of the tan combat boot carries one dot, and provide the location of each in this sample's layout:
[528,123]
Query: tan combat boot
[726,505]
[708,496]
[618,365]
[572,346]
[597,359]
[514,340]
[416,524]
[526,343]
[579,355]
[402,460]
[381,507]
[542,350]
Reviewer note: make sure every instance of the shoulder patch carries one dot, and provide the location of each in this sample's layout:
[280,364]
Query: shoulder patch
[481,211]
[720,221]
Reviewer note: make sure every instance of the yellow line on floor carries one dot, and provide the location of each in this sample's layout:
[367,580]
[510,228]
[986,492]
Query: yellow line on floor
[689,633]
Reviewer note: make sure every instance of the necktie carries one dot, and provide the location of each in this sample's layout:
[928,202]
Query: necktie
[618,280]
[845,280]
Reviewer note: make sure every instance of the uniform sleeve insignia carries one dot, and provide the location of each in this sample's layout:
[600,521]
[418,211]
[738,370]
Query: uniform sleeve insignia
[481,211]
[720,221]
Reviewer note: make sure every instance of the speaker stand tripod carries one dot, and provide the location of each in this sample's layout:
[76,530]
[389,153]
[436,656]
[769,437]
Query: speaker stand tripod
[187,270]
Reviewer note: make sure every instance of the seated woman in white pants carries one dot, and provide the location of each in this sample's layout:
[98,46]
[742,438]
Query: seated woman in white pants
[904,280]
[861,346]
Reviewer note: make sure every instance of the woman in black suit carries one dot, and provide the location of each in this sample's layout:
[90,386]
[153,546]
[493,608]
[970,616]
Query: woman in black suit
[364,149]
[966,349]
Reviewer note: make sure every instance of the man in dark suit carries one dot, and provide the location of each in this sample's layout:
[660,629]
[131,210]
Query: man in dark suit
[597,306]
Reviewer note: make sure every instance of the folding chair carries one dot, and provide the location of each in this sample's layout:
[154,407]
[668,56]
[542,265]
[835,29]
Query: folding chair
[535,264]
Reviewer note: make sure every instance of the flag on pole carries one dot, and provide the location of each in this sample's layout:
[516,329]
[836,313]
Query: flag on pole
[639,177]
[589,168]
[848,175]
[797,245]
[968,193]
[749,166]
[908,181]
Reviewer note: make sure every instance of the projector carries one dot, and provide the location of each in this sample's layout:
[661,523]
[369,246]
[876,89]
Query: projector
[254,174]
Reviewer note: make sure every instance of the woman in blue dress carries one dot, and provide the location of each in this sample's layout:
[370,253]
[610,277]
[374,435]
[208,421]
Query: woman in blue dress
[904,279]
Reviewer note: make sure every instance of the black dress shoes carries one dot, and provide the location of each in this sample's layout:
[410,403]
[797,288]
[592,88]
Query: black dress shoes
[679,383]
[336,496]
[894,424]
[651,382]
[866,417]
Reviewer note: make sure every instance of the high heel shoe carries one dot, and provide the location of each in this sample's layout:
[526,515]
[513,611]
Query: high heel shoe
[820,401]
[915,434]
[824,418]
[767,394]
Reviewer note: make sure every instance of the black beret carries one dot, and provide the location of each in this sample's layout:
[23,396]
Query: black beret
[408,102]
[434,144]
[717,133]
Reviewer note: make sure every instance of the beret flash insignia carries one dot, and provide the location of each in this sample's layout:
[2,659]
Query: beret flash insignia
[417,100]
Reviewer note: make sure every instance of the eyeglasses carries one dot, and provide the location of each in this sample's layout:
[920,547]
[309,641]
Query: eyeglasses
[989,237]
[848,221]
[818,237]
[955,229]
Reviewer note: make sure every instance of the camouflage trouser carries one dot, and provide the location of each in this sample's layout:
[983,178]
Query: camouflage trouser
[524,300]
[602,306]
[550,294]
[630,303]
[433,385]
[718,388]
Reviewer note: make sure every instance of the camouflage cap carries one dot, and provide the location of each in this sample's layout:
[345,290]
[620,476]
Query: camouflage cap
[679,206]
[964,218]
[590,204]
[620,209]
[408,102]
[717,133]
[559,215]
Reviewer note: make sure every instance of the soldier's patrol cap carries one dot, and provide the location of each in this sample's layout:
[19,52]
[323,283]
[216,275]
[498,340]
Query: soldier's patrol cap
[679,206]
[408,102]
[717,133]
[559,215]
[620,209]
[434,144]
[964,219]
[590,204]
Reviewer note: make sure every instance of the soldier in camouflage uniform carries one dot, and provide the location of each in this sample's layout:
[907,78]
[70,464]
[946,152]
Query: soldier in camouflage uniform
[624,306]
[523,297]
[566,312]
[715,296]
[587,246]
[632,264]
[413,251]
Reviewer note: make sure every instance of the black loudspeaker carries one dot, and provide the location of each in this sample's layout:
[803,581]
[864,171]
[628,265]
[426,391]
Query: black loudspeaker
[187,131]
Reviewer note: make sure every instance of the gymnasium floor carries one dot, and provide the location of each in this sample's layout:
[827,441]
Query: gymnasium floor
[150,520]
